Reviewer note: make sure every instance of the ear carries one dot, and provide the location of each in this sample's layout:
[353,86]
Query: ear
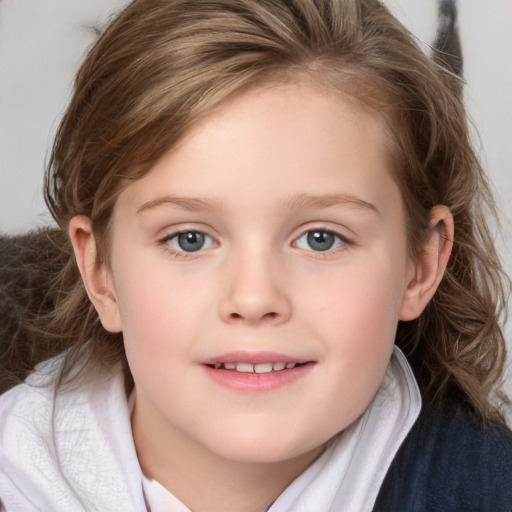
[430,264]
[95,273]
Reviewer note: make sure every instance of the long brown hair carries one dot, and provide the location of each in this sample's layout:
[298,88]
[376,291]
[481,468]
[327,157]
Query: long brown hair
[163,64]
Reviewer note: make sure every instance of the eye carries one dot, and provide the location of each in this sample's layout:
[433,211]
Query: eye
[320,240]
[189,241]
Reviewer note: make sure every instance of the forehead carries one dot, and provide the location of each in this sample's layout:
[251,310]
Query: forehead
[283,140]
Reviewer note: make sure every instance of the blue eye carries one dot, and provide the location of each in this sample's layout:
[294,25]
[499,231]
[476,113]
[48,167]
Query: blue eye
[190,241]
[319,240]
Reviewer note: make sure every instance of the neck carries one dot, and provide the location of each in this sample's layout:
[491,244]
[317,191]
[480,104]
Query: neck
[183,467]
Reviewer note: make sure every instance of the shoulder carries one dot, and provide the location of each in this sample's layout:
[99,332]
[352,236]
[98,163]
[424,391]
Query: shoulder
[41,400]
[25,413]
[65,448]
[27,398]
[450,461]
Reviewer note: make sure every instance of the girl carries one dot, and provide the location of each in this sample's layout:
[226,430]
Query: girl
[268,203]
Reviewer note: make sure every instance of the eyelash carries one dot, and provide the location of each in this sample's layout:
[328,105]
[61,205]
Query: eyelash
[165,243]
[341,241]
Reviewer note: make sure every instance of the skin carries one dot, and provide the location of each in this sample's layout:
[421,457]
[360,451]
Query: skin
[256,176]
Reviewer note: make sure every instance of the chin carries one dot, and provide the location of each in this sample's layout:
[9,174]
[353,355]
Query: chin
[267,449]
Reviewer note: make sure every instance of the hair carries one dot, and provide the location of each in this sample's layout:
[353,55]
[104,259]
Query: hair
[162,65]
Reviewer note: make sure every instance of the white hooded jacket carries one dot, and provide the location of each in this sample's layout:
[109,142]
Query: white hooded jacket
[73,451]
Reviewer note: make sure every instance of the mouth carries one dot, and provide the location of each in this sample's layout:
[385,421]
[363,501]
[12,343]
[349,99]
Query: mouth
[256,372]
[255,368]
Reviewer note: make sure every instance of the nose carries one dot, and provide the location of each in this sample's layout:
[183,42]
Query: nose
[255,292]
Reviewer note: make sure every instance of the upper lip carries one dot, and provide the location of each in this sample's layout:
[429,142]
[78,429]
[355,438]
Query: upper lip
[254,358]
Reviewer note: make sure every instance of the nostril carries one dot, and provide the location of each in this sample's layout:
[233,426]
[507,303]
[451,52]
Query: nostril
[267,316]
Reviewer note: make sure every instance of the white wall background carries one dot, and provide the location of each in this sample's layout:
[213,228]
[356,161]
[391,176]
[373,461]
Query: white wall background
[43,41]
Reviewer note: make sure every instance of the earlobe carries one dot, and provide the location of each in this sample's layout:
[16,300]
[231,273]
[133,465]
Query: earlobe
[95,273]
[430,264]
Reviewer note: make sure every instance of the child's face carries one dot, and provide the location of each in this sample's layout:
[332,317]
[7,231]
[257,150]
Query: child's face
[273,234]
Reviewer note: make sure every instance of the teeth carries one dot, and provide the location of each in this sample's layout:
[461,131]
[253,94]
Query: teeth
[255,368]
[245,368]
[263,368]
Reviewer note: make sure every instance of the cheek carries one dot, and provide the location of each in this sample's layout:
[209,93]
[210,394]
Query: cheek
[155,341]
[369,299]
[161,313]
[151,321]
[356,315]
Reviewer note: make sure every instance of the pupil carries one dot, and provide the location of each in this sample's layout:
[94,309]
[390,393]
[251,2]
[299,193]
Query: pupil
[320,240]
[191,241]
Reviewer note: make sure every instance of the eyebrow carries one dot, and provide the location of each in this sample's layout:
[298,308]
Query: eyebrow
[193,204]
[296,202]
[310,201]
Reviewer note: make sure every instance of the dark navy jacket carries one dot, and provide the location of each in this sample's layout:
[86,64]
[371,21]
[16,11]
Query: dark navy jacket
[450,462]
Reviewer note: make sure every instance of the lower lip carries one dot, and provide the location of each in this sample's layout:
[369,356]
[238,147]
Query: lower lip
[257,382]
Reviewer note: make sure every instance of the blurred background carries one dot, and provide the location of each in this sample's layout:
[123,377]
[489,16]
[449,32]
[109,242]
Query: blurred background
[42,43]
